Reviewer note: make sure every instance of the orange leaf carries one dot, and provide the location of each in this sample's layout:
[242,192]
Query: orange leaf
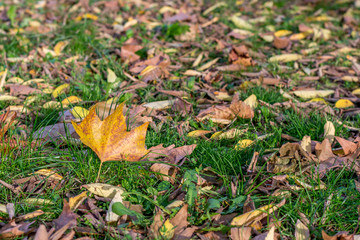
[109,138]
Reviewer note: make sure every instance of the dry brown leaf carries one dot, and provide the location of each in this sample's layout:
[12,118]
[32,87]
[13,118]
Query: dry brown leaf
[347,146]
[66,217]
[241,233]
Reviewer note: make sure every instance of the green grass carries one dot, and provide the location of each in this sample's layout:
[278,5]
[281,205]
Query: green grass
[79,165]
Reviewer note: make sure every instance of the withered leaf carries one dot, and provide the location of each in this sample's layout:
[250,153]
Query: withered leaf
[66,217]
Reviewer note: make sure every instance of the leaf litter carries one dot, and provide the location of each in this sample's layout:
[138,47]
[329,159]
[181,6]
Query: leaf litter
[249,79]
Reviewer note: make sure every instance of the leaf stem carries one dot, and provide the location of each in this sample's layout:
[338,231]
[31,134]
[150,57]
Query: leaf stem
[98,175]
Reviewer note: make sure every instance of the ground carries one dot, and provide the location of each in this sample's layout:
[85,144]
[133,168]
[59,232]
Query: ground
[250,105]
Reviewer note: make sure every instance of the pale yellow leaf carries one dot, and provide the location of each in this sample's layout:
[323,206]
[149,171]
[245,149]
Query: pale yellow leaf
[15,80]
[306,94]
[329,131]
[165,9]
[356,91]
[350,78]
[208,64]
[249,217]
[38,201]
[32,81]
[49,173]
[289,57]
[241,23]
[271,234]
[8,98]
[320,100]
[251,101]
[160,105]
[111,76]
[213,7]
[51,104]
[175,204]
[112,217]
[301,231]
[103,190]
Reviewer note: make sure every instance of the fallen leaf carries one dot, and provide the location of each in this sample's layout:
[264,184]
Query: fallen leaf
[74,202]
[301,231]
[307,94]
[251,101]
[289,57]
[111,76]
[66,217]
[271,234]
[198,133]
[109,138]
[59,47]
[344,103]
[112,217]
[79,112]
[41,233]
[159,105]
[241,23]
[241,233]
[242,144]
[281,43]
[248,218]
[282,33]
[347,146]
[103,190]
[70,100]
[329,131]
[16,90]
[230,134]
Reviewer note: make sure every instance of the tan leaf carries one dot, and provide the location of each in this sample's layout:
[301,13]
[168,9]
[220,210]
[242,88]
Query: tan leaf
[329,131]
[111,76]
[242,110]
[307,94]
[289,57]
[301,231]
[347,146]
[103,190]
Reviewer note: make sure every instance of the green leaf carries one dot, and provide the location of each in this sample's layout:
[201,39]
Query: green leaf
[213,204]
[121,210]
[191,194]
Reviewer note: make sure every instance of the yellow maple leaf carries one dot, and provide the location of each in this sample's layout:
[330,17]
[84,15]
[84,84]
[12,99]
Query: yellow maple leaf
[109,139]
